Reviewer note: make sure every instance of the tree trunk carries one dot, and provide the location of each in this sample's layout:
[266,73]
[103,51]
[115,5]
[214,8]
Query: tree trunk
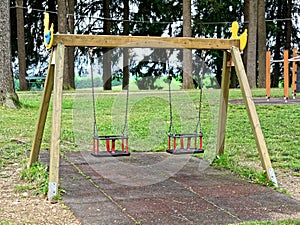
[288,29]
[70,50]
[53,16]
[21,46]
[187,54]
[252,37]
[126,63]
[8,97]
[261,44]
[106,51]
[276,72]
[68,77]
[289,24]
[246,22]
[219,61]
[62,29]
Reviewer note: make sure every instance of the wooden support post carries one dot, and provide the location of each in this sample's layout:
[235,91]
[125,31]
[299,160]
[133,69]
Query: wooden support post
[268,75]
[252,114]
[294,74]
[223,102]
[286,75]
[40,125]
[56,122]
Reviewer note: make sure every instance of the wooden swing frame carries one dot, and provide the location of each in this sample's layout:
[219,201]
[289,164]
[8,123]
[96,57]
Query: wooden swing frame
[54,82]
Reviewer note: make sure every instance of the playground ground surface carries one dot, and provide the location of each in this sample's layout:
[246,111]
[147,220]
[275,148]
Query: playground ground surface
[158,188]
[20,207]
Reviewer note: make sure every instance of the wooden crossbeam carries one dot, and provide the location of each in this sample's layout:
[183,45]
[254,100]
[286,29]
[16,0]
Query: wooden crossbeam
[112,41]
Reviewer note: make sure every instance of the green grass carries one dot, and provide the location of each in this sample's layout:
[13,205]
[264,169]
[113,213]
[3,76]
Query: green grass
[149,122]
[36,178]
[281,222]
[280,125]
[148,125]
[5,222]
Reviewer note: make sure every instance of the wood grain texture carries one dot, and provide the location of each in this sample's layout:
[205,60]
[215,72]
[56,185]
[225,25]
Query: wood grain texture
[56,119]
[112,41]
[224,102]
[39,129]
[251,110]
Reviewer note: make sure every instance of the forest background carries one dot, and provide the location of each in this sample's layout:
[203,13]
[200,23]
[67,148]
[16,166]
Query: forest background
[272,25]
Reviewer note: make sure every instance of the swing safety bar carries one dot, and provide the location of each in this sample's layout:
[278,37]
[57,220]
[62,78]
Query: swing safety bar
[110,145]
[188,138]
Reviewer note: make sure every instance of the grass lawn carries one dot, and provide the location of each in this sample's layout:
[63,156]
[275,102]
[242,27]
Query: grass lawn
[148,124]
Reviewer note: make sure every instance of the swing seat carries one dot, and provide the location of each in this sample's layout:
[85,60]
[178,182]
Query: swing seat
[110,145]
[189,148]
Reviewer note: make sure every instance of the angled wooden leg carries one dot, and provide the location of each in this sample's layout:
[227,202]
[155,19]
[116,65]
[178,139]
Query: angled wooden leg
[40,125]
[223,102]
[252,114]
[56,122]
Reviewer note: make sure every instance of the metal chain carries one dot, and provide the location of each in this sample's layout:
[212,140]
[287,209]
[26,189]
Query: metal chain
[200,82]
[125,128]
[93,92]
[171,127]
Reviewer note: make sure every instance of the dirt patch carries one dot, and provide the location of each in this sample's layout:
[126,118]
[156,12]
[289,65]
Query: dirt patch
[289,182]
[18,207]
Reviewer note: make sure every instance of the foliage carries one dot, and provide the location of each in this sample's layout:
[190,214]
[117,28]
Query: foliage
[147,72]
[36,177]
[86,82]
[210,18]
[36,56]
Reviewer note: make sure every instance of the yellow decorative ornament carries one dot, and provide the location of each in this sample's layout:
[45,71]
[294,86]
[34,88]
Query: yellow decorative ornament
[48,33]
[234,35]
